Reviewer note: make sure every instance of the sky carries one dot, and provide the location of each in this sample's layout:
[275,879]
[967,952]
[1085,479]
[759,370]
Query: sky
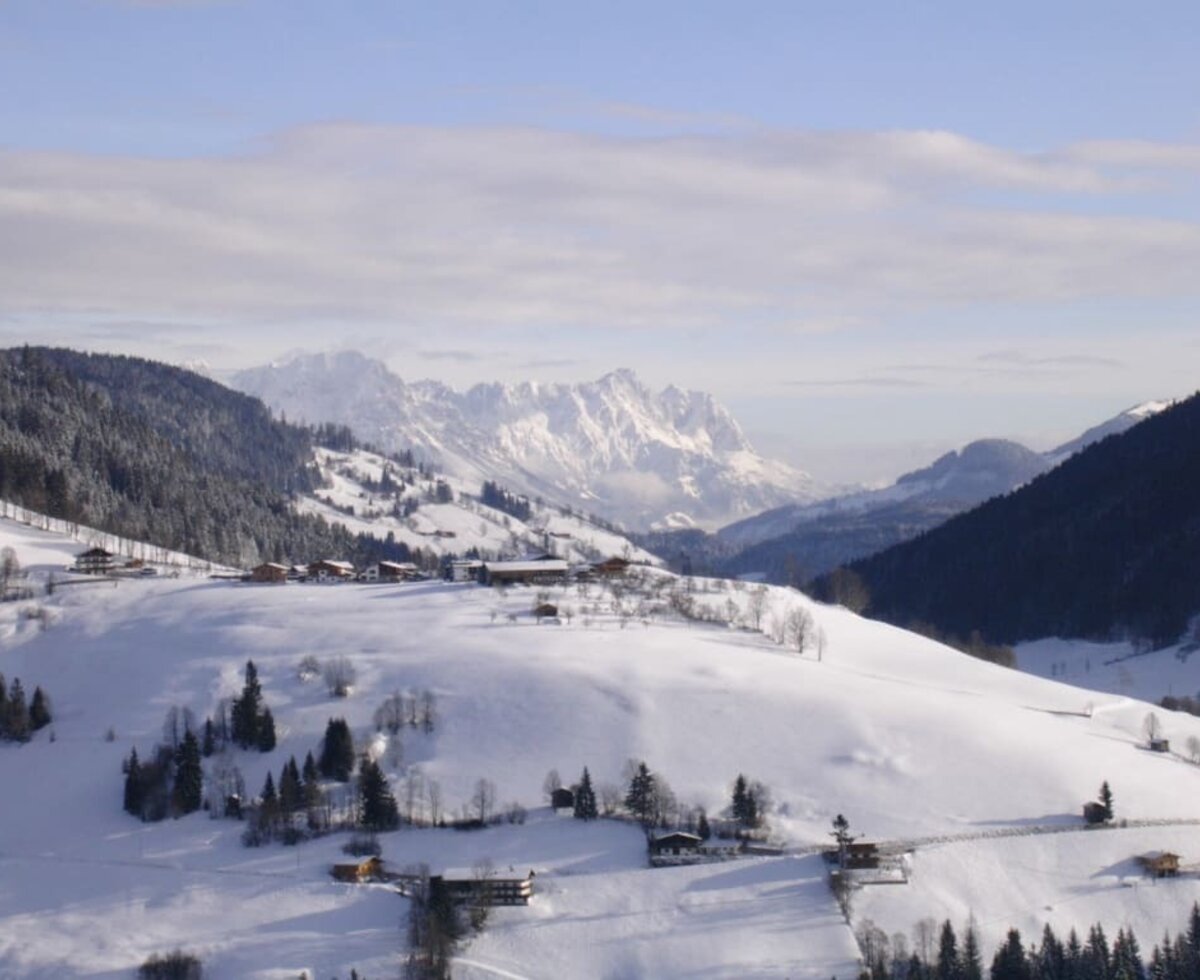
[875,230]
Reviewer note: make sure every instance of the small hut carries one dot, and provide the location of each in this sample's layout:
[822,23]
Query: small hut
[368,869]
[269,571]
[1160,864]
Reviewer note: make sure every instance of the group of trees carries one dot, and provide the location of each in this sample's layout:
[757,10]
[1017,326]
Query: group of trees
[497,497]
[298,790]
[170,783]
[412,709]
[20,719]
[251,722]
[936,953]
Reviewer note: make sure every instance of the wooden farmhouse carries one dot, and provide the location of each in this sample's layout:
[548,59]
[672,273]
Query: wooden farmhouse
[562,799]
[611,567]
[1160,864]
[269,571]
[390,571]
[327,570]
[680,847]
[676,847]
[95,561]
[368,869]
[543,572]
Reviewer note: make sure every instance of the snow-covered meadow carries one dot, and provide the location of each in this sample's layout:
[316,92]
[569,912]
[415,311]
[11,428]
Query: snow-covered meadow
[907,738]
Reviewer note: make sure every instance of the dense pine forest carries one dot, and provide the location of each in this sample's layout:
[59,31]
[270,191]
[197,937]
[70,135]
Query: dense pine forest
[1106,545]
[163,455]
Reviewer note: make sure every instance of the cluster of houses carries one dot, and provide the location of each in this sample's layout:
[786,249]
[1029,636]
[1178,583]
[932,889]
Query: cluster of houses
[100,561]
[329,570]
[533,570]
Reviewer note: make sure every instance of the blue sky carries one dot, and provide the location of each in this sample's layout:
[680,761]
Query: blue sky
[875,230]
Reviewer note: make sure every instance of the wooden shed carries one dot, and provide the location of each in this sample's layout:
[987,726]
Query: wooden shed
[368,869]
[562,799]
[1095,813]
[1160,864]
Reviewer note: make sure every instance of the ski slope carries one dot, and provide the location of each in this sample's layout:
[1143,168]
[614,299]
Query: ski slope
[905,737]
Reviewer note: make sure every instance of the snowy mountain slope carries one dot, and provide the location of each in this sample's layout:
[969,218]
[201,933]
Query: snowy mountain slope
[611,446]
[455,526]
[953,483]
[1114,426]
[904,736]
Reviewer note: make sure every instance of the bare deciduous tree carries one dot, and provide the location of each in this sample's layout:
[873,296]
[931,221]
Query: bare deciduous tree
[339,675]
[483,799]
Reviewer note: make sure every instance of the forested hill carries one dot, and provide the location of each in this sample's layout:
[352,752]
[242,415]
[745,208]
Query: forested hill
[158,454]
[1106,544]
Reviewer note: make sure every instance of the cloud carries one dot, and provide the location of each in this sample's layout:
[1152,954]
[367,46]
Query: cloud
[866,381]
[1018,358]
[459,356]
[430,228]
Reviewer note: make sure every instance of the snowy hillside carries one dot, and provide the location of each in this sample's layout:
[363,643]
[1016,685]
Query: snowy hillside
[909,739]
[611,446]
[413,514]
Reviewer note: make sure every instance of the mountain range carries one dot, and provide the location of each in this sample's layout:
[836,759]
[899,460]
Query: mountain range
[612,446]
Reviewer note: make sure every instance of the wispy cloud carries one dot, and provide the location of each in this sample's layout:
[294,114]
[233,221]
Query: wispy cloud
[1025,359]
[426,227]
[458,356]
[866,381]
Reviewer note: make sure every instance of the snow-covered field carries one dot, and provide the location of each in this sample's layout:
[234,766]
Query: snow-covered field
[906,738]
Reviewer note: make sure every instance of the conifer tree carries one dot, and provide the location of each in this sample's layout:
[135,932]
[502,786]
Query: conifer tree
[1106,800]
[947,966]
[16,721]
[189,776]
[585,798]
[377,805]
[639,800]
[1009,962]
[337,751]
[291,794]
[39,710]
[133,784]
[969,957]
[311,782]
[247,709]
[740,802]
[703,830]
[266,731]
[209,745]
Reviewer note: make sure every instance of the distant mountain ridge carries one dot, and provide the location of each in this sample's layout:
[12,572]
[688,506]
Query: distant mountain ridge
[956,481]
[1105,545]
[610,446]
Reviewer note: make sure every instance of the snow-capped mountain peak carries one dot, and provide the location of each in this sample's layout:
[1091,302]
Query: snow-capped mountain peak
[614,445]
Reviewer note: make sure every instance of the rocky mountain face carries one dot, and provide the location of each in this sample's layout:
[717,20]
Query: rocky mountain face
[611,446]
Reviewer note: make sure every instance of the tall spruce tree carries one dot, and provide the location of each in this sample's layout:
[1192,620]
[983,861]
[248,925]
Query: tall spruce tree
[291,794]
[247,709]
[639,800]
[133,784]
[585,798]
[377,805]
[188,792]
[311,782]
[266,731]
[1106,800]
[337,751]
[947,966]
[39,710]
